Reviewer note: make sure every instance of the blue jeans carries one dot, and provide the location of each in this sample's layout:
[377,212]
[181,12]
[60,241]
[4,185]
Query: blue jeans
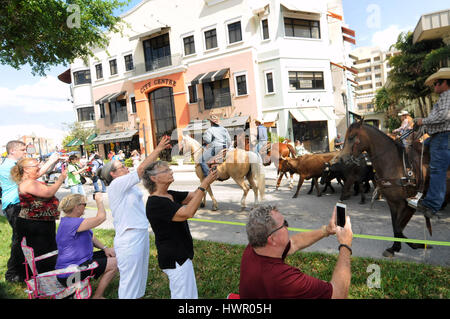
[439,163]
[95,180]
[207,155]
[77,189]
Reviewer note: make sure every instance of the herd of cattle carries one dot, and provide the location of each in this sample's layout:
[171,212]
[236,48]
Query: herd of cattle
[323,168]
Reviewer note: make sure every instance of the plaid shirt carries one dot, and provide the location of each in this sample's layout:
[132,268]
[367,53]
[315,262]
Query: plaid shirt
[439,118]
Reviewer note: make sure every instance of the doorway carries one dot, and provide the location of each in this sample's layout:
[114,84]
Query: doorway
[162,109]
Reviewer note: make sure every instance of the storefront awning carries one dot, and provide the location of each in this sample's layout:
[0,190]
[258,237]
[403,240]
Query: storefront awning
[210,76]
[298,115]
[270,117]
[237,121]
[75,142]
[148,33]
[307,114]
[111,97]
[203,125]
[124,136]
[197,126]
[304,6]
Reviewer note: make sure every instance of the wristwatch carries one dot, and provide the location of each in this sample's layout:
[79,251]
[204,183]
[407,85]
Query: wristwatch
[202,189]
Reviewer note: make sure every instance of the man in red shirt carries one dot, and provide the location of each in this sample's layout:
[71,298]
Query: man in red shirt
[263,271]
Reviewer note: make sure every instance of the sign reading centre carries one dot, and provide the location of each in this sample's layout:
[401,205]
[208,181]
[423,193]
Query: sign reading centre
[157,82]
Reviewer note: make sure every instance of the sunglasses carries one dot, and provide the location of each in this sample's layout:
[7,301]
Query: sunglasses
[285,224]
[438,82]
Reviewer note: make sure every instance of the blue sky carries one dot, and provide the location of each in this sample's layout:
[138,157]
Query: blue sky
[37,104]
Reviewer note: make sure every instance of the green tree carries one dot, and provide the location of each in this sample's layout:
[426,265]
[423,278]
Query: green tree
[387,102]
[77,130]
[46,33]
[412,66]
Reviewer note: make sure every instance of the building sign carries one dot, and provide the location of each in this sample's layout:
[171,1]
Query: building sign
[155,82]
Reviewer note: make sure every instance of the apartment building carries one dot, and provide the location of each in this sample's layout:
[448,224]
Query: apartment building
[177,62]
[373,69]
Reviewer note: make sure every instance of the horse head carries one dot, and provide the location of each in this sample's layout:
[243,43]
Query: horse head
[356,141]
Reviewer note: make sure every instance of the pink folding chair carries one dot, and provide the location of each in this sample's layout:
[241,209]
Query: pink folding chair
[46,285]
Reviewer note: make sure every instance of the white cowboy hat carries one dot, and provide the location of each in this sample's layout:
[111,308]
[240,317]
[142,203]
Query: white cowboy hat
[443,73]
[404,112]
[214,118]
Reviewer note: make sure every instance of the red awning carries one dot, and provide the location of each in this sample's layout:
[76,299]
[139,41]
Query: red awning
[349,39]
[65,77]
[348,31]
[334,15]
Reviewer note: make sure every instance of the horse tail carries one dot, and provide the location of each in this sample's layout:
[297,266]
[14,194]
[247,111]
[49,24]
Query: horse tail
[257,171]
[291,150]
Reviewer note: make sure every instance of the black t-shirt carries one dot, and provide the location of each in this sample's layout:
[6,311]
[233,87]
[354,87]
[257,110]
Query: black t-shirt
[173,239]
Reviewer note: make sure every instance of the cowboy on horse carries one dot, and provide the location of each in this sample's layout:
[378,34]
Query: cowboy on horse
[437,125]
[217,139]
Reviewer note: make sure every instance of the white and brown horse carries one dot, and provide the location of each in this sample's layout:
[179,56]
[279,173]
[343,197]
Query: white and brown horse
[238,164]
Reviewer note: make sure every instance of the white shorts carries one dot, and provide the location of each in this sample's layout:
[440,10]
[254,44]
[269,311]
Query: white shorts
[132,252]
[182,281]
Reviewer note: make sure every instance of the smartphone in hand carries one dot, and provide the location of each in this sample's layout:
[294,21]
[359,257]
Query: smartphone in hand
[340,214]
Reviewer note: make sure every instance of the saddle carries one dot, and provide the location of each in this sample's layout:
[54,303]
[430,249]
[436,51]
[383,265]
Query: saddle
[217,159]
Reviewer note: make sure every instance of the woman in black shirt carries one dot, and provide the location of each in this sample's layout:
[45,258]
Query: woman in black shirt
[168,212]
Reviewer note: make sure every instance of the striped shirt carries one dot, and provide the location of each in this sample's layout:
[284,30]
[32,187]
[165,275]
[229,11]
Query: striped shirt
[439,118]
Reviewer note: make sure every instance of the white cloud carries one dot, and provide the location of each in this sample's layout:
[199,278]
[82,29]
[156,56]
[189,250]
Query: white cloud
[12,132]
[385,38]
[47,95]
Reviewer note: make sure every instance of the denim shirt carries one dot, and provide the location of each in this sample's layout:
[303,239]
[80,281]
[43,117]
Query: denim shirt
[10,190]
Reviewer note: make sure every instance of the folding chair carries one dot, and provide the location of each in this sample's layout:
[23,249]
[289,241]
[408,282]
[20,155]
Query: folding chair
[46,285]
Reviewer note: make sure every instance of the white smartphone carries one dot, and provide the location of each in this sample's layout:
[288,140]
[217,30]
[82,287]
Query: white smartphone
[340,214]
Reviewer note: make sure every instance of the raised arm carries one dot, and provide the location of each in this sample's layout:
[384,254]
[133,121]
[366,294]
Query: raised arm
[38,189]
[163,144]
[194,199]
[92,222]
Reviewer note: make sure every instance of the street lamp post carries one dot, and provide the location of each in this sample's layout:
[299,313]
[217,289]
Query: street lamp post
[138,121]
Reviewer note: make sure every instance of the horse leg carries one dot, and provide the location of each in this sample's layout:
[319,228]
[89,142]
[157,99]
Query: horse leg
[240,181]
[215,205]
[254,187]
[300,183]
[401,214]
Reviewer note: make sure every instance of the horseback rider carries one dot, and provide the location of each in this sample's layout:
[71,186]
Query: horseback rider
[216,138]
[407,124]
[437,125]
[261,136]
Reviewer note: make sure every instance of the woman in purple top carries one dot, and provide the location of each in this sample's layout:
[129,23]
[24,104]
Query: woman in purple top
[76,242]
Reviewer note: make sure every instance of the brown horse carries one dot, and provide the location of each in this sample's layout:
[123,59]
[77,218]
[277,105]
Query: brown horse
[388,161]
[277,152]
[239,165]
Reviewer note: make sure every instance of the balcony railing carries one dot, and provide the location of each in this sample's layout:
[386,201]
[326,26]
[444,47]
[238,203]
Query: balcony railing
[157,64]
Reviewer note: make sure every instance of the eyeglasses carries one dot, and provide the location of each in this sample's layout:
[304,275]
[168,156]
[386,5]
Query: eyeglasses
[438,82]
[37,165]
[84,204]
[285,224]
[167,170]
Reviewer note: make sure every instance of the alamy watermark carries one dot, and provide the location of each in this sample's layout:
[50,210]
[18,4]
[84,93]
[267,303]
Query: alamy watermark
[374,279]
[74,18]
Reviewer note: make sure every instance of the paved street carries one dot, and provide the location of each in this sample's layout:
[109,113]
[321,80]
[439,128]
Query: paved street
[306,212]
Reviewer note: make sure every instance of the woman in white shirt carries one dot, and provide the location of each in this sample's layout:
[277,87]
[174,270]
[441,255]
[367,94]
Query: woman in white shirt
[131,242]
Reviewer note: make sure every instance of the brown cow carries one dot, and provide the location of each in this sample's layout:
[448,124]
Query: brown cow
[276,153]
[307,166]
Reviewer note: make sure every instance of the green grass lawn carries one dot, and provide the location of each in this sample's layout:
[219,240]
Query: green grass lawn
[217,271]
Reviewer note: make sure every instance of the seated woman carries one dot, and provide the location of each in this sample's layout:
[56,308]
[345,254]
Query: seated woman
[76,242]
[168,212]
